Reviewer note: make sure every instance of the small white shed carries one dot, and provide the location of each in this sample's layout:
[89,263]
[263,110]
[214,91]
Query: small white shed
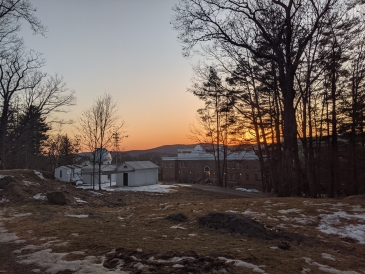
[107,174]
[69,173]
[138,173]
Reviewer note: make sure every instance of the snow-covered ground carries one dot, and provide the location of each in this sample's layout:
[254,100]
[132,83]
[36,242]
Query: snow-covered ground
[247,190]
[156,188]
[332,224]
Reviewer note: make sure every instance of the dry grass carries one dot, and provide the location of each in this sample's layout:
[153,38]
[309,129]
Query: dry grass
[139,223]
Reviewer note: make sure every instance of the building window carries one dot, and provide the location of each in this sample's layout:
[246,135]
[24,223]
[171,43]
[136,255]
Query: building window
[237,165]
[233,176]
[60,173]
[171,165]
[247,177]
[181,165]
[246,166]
[255,166]
[165,165]
[256,177]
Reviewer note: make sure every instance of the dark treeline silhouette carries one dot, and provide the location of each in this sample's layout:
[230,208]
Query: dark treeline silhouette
[294,79]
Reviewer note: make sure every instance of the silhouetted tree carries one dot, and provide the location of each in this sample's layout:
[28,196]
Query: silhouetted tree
[97,127]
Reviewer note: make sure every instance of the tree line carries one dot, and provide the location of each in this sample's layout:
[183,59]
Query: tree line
[288,76]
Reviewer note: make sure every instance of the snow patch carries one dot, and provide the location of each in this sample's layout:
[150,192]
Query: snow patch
[40,196]
[27,183]
[240,263]
[78,200]
[4,200]
[22,214]
[6,236]
[292,210]
[76,216]
[247,190]
[177,227]
[139,266]
[326,268]
[331,224]
[156,188]
[247,212]
[328,257]
[54,263]
[40,175]
[28,247]
[358,208]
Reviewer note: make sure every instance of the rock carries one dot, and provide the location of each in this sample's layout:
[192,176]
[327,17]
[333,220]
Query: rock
[139,265]
[284,245]
[6,181]
[179,217]
[57,198]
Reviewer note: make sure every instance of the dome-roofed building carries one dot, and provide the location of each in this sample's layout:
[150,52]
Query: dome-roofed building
[106,157]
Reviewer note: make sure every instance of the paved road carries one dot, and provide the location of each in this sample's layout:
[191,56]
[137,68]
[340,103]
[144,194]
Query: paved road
[229,191]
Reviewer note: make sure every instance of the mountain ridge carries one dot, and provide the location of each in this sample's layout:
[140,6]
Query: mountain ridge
[168,150]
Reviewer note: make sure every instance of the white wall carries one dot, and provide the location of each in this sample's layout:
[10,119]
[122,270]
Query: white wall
[119,179]
[86,178]
[139,178]
[66,174]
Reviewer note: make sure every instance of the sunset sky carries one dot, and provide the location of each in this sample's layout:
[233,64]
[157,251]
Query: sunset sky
[126,48]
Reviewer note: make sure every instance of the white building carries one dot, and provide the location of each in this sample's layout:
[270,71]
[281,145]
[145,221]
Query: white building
[138,173]
[200,166]
[69,173]
[107,174]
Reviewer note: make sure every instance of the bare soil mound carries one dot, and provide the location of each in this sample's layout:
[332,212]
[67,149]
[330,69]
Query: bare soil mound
[234,223]
[238,224]
[24,186]
[12,189]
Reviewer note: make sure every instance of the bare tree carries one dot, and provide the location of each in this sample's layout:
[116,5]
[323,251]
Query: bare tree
[21,79]
[98,127]
[50,95]
[19,71]
[277,31]
[15,66]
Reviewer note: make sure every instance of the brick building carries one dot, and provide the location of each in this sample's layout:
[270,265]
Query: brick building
[197,166]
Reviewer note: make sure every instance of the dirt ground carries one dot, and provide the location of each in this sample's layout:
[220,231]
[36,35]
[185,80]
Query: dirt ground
[189,230]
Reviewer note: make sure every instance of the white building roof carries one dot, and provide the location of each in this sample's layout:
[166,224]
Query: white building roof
[89,168]
[138,165]
[199,154]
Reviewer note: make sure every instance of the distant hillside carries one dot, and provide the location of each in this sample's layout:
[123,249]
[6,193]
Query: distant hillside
[167,150]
